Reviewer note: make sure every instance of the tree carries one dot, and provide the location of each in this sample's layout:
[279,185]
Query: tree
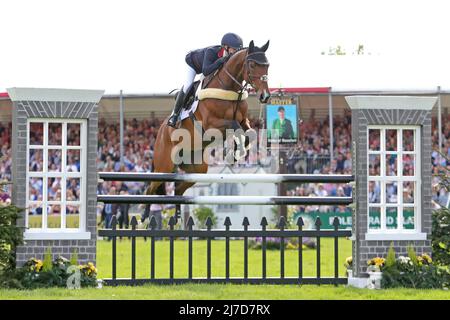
[340,51]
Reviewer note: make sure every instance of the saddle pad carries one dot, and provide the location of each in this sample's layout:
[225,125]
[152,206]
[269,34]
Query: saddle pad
[211,93]
[215,93]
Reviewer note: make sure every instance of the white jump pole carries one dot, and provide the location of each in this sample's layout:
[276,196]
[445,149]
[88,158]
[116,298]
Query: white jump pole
[225,178]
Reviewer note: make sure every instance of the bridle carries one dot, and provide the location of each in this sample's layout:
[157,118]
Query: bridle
[242,87]
[250,77]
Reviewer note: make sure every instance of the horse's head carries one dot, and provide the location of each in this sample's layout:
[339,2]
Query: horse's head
[257,65]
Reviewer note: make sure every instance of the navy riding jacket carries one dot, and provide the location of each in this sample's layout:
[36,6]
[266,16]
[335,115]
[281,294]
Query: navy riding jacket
[206,60]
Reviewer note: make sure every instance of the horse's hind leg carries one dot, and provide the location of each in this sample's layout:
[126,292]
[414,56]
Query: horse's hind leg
[181,187]
[162,160]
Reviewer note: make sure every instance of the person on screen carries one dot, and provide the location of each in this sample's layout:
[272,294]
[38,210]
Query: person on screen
[283,125]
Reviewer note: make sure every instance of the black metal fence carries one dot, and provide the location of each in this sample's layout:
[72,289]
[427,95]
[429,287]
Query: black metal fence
[226,233]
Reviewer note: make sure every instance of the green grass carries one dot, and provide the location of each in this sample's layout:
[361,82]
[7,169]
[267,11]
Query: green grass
[228,292]
[217,291]
[72,221]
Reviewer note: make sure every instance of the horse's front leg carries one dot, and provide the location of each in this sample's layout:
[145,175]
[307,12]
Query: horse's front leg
[241,136]
[250,133]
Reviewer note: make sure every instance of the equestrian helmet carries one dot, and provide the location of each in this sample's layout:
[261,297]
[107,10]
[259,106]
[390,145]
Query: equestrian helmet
[232,40]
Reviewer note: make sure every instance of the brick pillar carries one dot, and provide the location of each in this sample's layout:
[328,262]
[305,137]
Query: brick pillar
[391,111]
[37,103]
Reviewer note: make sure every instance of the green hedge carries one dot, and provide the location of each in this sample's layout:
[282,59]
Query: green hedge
[10,236]
[441,237]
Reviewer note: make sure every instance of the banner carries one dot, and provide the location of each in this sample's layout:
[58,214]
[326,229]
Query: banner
[327,218]
[345,219]
[281,123]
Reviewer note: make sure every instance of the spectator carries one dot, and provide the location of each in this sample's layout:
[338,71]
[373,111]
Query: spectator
[123,213]
[109,210]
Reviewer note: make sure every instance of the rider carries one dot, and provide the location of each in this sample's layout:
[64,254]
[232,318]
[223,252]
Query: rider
[206,61]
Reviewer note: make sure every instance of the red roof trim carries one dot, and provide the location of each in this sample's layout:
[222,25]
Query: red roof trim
[4,95]
[301,90]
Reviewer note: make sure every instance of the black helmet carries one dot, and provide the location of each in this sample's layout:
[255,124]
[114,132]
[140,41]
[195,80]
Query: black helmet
[232,40]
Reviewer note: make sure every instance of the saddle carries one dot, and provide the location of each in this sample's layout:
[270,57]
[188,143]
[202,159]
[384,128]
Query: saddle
[190,96]
[193,93]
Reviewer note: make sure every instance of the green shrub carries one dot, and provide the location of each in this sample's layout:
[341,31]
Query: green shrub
[47,264]
[32,275]
[412,255]
[415,272]
[11,236]
[74,258]
[390,259]
[201,214]
[440,239]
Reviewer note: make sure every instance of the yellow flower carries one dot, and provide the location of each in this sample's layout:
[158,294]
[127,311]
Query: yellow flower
[427,258]
[348,262]
[290,245]
[39,265]
[379,261]
[420,260]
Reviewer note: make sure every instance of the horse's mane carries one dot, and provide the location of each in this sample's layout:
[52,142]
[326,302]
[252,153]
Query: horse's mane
[234,55]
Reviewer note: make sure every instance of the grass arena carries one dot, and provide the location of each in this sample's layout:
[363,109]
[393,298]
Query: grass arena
[224,253]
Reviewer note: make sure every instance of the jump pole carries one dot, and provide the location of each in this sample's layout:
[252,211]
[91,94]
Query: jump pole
[241,200]
[225,178]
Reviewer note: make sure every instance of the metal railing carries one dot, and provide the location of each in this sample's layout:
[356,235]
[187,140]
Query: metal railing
[227,234]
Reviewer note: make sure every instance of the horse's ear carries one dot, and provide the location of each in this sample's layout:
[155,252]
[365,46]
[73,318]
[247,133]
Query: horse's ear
[251,46]
[266,46]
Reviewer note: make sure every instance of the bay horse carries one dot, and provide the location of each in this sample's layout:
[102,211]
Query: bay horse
[249,66]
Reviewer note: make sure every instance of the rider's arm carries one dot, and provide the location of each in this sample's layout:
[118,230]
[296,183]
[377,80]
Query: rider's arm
[211,62]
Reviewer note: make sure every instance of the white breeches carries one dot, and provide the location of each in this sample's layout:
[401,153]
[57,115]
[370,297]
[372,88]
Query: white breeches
[190,76]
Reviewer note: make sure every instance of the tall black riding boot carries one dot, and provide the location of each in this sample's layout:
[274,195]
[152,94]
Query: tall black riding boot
[176,110]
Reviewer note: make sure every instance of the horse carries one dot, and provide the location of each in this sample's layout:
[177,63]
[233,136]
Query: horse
[248,65]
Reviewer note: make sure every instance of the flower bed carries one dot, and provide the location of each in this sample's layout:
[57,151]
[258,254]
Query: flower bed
[410,271]
[274,243]
[45,274]
[419,272]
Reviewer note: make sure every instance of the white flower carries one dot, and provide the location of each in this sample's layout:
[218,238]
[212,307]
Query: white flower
[405,260]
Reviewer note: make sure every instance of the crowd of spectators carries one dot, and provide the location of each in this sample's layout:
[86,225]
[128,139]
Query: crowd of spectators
[439,194]
[310,155]
[5,151]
